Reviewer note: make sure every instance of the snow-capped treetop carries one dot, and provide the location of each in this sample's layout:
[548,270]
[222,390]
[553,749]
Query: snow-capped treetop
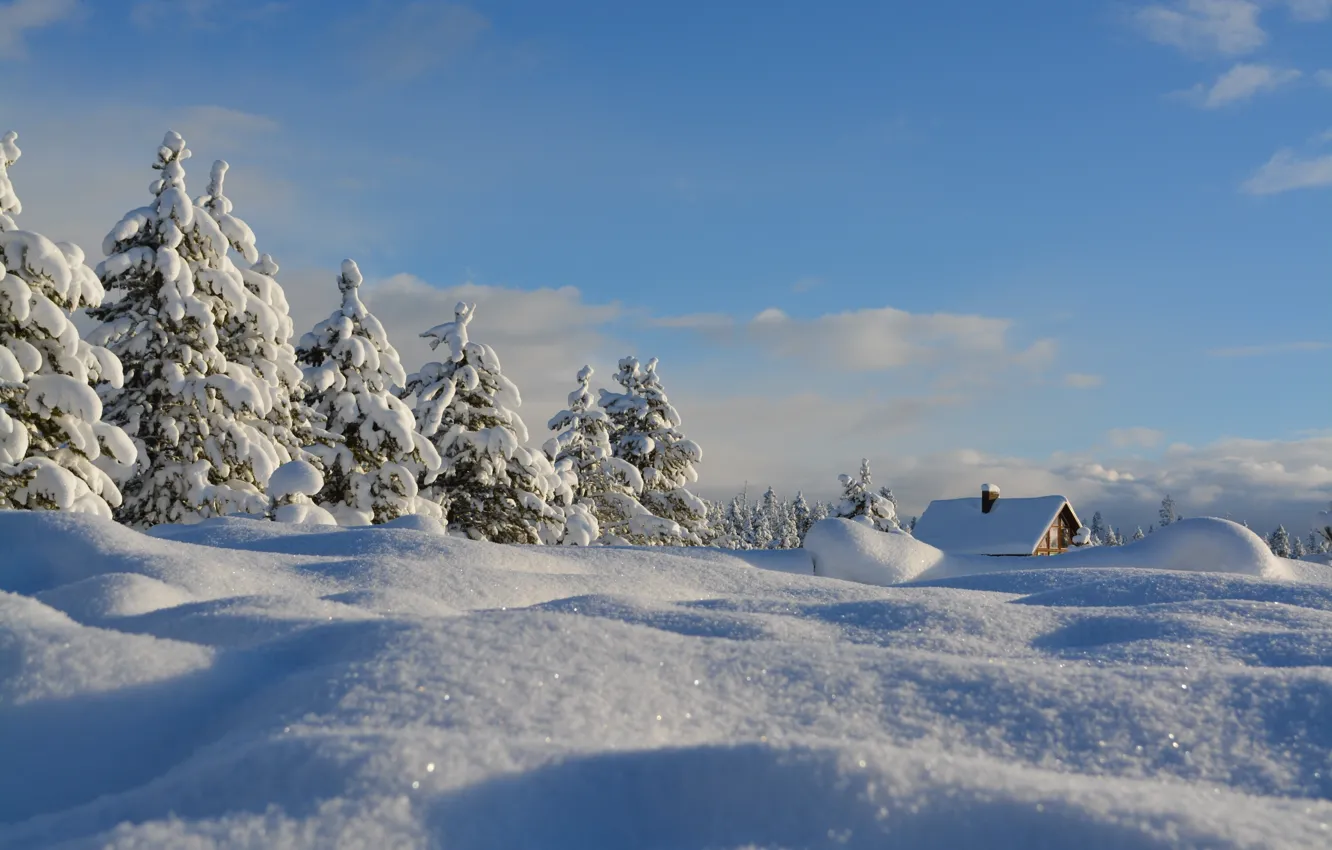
[219,206]
[352,338]
[9,202]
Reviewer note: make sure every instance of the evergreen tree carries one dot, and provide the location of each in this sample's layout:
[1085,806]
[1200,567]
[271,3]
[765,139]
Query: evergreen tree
[1099,535]
[610,485]
[494,487]
[1138,534]
[259,337]
[860,502]
[191,414]
[788,531]
[1297,549]
[1279,542]
[1167,512]
[371,474]
[767,521]
[645,433]
[52,439]
[803,514]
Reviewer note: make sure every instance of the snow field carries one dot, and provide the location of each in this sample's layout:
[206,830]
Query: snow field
[249,684]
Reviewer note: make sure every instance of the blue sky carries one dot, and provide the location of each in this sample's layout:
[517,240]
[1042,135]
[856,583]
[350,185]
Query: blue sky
[1100,227]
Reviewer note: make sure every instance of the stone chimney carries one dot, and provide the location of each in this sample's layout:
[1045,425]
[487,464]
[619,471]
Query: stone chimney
[989,495]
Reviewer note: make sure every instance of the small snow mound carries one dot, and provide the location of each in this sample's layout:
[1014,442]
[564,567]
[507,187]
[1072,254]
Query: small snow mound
[304,513]
[1202,544]
[114,595]
[294,478]
[417,522]
[855,551]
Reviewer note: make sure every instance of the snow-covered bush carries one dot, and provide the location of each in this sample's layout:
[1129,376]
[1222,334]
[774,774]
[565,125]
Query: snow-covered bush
[371,474]
[292,488]
[193,415]
[493,485]
[860,502]
[645,433]
[54,449]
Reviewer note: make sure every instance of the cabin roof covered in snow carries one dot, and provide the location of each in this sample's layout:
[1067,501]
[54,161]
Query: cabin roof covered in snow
[1012,527]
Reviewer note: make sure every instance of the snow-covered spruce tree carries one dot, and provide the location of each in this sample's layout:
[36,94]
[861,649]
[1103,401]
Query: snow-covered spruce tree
[1167,512]
[493,486]
[1297,548]
[192,414]
[1138,534]
[53,444]
[373,470]
[612,486]
[1098,532]
[803,515]
[1279,542]
[259,337]
[860,502]
[645,432]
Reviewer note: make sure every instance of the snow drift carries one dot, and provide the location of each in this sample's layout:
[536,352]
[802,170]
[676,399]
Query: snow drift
[855,551]
[242,683]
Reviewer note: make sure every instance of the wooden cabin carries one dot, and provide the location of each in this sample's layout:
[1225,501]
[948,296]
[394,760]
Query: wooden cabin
[1044,525]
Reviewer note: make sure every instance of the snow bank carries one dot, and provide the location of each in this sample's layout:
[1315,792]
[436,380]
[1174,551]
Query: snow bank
[855,551]
[255,684]
[852,551]
[1203,544]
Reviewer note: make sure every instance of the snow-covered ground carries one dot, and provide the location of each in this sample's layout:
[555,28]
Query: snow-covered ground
[252,684]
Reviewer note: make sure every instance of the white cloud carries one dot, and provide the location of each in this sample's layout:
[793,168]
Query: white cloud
[1240,83]
[1262,481]
[1323,77]
[1287,170]
[1309,10]
[885,338]
[1227,27]
[421,36]
[19,16]
[1274,348]
[1082,381]
[1142,437]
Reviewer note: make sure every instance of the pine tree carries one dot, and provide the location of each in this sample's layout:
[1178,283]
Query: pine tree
[191,414]
[53,443]
[351,368]
[494,486]
[767,521]
[610,485]
[645,433]
[860,502]
[1279,542]
[1167,512]
[1297,549]
[788,531]
[1099,535]
[1138,534]
[803,516]
[259,338]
